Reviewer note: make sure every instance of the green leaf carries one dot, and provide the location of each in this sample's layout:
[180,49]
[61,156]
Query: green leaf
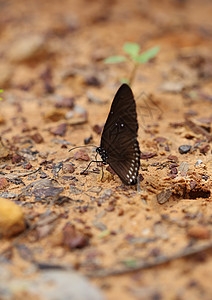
[104,233]
[115,59]
[1,91]
[147,55]
[131,263]
[131,48]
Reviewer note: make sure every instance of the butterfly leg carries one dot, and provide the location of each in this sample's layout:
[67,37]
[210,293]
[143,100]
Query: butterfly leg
[102,173]
[88,166]
[139,189]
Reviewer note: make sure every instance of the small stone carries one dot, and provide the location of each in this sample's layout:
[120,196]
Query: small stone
[174,170]
[49,284]
[54,115]
[120,212]
[172,158]
[59,130]
[74,238]
[205,177]
[110,208]
[37,138]
[28,166]
[11,218]
[26,48]
[92,81]
[68,168]
[199,161]
[184,149]
[173,165]
[88,140]
[160,140]
[3,183]
[204,149]
[81,155]
[65,103]
[3,150]
[145,155]
[16,158]
[199,232]
[97,129]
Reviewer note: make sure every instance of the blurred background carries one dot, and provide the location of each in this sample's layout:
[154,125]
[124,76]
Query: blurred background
[40,40]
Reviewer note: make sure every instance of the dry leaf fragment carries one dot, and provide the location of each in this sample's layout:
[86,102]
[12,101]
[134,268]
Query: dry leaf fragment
[164,196]
[183,168]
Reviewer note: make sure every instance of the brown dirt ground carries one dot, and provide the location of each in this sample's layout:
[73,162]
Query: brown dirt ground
[73,39]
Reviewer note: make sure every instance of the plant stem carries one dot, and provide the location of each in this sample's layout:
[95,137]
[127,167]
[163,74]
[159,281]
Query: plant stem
[133,72]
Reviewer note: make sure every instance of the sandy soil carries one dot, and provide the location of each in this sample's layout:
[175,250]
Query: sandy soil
[152,244]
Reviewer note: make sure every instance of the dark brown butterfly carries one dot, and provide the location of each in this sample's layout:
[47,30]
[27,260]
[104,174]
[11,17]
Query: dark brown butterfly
[119,146]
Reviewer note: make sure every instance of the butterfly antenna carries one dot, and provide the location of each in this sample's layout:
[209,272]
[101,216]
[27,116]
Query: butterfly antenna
[82,147]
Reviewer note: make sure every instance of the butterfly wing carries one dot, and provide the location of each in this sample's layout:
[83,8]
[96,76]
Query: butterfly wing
[119,136]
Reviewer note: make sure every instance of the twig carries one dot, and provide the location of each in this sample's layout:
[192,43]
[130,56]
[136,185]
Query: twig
[160,260]
[198,129]
[23,174]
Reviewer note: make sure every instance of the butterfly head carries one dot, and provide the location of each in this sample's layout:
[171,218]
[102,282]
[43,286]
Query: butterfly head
[102,152]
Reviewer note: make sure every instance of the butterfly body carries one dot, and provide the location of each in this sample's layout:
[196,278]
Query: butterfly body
[119,146]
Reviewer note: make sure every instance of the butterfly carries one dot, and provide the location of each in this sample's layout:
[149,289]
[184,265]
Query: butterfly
[119,146]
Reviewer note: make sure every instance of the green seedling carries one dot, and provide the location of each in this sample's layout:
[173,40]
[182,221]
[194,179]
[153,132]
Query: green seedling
[133,55]
[1,91]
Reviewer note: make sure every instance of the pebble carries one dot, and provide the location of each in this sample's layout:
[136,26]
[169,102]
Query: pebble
[54,115]
[3,183]
[16,158]
[81,155]
[48,285]
[88,140]
[204,149]
[68,168]
[59,130]
[172,158]
[65,103]
[97,129]
[37,138]
[199,161]
[11,218]
[3,150]
[184,149]
[26,47]
[199,232]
